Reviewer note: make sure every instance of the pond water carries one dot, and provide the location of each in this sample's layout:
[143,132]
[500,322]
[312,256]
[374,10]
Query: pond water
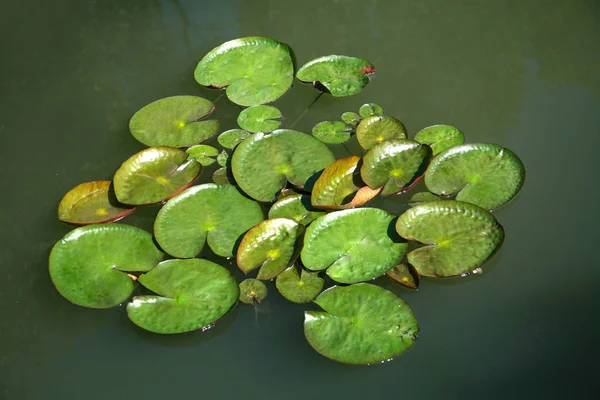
[524,74]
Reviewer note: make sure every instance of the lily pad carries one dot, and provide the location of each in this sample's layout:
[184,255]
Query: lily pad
[263,163]
[260,119]
[231,138]
[440,137]
[174,122]
[154,174]
[353,245]
[271,245]
[255,70]
[406,275]
[202,153]
[217,214]
[339,75]
[370,109]
[252,291]
[299,287]
[360,324]
[90,203]
[422,197]
[340,186]
[192,294]
[333,132]
[484,174]
[376,129]
[395,164]
[222,176]
[351,118]
[222,158]
[88,266]
[296,207]
[458,237]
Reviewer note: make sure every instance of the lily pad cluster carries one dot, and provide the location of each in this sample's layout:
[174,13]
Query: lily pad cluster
[322,240]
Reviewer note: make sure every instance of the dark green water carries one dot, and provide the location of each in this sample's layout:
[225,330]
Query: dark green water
[524,74]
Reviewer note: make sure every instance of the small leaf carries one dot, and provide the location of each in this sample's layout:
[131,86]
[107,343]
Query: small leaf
[376,129]
[422,197]
[406,275]
[252,291]
[370,109]
[351,118]
[231,138]
[333,132]
[260,119]
[299,288]
[203,154]
[222,177]
[222,158]
[338,75]
[440,137]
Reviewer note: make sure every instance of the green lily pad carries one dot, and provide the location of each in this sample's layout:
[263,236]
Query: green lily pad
[296,207]
[376,129]
[299,287]
[153,175]
[338,75]
[252,291]
[422,197]
[360,324]
[222,158]
[174,122]
[370,109]
[263,163]
[222,177]
[340,186]
[231,138]
[255,70]
[484,174]
[203,154]
[351,118]
[353,245]
[395,164]
[333,132]
[88,266]
[192,294]
[90,203]
[260,119]
[406,275]
[440,137]
[217,214]
[271,245]
[458,237]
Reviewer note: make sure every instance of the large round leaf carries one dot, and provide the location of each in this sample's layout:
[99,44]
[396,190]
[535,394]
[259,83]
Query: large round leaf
[339,75]
[395,165]
[333,132]
[458,237]
[217,214]
[153,175]
[484,174]
[353,245]
[360,324]
[256,70]
[174,121]
[260,119]
[87,266]
[376,129]
[440,137]
[90,203]
[296,207]
[192,294]
[299,287]
[271,245]
[263,163]
[231,138]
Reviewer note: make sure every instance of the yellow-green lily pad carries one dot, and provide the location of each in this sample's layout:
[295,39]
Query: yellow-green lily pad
[337,75]
[406,275]
[252,291]
[231,138]
[296,207]
[222,176]
[222,158]
[370,109]
[203,153]
[299,287]
[376,129]
[333,132]
[351,118]
[440,137]
[260,119]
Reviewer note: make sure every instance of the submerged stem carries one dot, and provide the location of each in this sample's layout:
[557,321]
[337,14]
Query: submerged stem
[306,110]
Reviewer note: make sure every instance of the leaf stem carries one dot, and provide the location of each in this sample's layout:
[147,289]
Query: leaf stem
[306,110]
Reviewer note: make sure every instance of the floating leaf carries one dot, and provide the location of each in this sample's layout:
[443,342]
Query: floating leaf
[174,122]
[252,291]
[90,203]
[394,164]
[422,197]
[340,186]
[440,137]
[339,75]
[217,214]
[376,129]
[263,163]
[370,109]
[333,132]
[222,158]
[406,275]
[153,175]
[256,70]
[484,174]
[88,266]
[231,138]
[192,294]
[353,245]
[270,245]
[351,118]
[360,324]
[299,288]
[296,207]
[458,237]
[260,119]
[203,154]
[222,177]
